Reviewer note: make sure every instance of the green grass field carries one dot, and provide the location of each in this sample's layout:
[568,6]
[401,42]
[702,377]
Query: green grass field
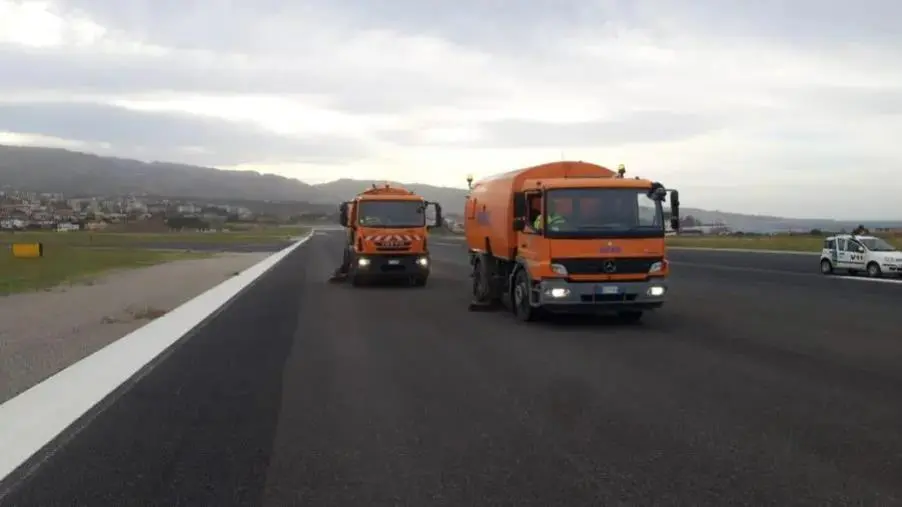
[798,243]
[261,236]
[63,264]
[74,256]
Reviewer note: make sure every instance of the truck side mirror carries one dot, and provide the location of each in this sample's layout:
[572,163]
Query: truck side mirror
[519,224]
[343,214]
[439,220]
[674,210]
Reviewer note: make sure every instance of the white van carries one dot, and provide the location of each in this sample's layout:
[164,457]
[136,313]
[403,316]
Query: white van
[857,254]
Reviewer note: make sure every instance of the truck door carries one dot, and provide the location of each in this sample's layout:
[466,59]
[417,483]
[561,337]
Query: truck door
[530,241]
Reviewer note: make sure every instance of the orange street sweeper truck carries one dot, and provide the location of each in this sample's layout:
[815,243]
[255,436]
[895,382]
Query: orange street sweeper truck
[387,236]
[568,237]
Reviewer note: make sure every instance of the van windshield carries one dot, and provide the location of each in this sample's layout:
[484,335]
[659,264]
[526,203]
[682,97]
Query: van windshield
[385,213]
[877,245]
[604,213]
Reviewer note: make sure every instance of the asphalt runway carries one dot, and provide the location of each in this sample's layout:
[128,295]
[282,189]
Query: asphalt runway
[752,387]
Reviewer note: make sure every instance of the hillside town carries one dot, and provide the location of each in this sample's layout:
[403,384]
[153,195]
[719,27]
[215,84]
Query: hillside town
[21,210]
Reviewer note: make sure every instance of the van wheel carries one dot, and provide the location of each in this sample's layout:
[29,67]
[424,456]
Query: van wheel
[874,270]
[826,267]
[520,298]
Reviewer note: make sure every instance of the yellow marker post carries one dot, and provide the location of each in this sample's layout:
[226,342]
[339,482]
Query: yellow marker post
[28,250]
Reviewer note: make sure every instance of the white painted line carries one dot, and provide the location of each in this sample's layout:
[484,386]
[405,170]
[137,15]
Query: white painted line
[814,273]
[866,279]
[742,250]
[35,417]
[720,267]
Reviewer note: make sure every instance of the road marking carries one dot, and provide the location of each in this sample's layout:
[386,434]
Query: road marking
[865,279]
[741,250]
[34,418]
[789,273]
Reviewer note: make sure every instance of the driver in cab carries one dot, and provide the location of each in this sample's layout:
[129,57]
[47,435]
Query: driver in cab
[556,219]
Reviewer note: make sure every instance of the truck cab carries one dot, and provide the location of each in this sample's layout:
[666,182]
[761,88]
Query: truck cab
[860,254]
[388,235]
[587,246]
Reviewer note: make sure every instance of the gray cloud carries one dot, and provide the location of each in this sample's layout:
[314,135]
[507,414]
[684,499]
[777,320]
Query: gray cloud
[854,100]
[640,127]
[366,91]
[827,23]
[172,136]
[507,26]
[499,25]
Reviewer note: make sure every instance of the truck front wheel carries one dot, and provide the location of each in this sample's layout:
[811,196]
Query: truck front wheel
[520,298]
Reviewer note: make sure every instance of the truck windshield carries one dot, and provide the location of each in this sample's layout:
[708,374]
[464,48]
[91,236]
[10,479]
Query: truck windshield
[604,213]
[877,245]
[382,213]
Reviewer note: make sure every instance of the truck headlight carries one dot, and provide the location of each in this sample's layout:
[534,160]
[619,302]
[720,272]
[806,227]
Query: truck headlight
[656,267]
[363,262]
[558,292]
[559,269]
[423,261]
[656,291]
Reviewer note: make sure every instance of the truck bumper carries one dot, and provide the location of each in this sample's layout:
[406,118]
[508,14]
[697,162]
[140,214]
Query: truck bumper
[391,266]
[593,297]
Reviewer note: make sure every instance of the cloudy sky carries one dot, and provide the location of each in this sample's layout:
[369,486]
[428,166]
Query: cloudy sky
[791,107]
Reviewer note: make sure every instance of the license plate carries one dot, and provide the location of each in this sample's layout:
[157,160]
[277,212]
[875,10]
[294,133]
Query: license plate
[608,289]
[394,262]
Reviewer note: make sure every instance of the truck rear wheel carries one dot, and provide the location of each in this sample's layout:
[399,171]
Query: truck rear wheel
[480,286]
[520,298]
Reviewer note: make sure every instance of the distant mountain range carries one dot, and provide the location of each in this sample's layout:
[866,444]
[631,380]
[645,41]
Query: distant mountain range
[75,173]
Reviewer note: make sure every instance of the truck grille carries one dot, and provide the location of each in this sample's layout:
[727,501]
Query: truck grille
[595,266]
[393,246]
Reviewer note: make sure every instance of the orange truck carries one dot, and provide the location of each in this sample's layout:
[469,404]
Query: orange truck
[387,235]
[568,237]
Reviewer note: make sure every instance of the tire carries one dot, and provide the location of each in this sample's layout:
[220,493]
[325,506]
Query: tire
[826,267]
[419,281]
[520,298]
[874,270]
[480,289]
[630,316]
